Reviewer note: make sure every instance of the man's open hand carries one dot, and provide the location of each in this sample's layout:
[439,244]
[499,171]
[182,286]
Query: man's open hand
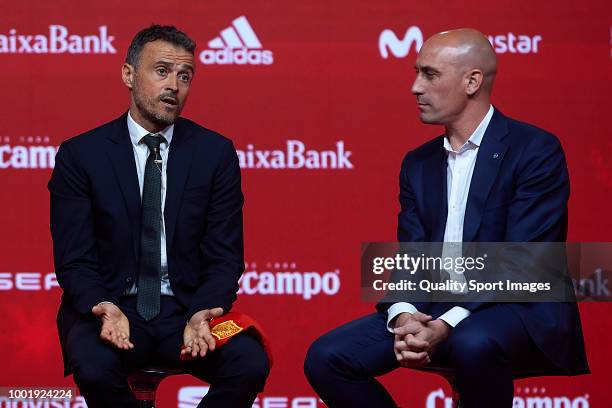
[197,339]
[115,325]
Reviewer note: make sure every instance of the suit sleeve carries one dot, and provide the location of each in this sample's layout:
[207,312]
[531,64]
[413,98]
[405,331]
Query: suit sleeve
[72,229]
[222,242]
[539,207]
[409,229]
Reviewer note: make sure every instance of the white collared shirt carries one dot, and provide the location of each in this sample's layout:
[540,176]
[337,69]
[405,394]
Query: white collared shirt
[141,153]
[459,170]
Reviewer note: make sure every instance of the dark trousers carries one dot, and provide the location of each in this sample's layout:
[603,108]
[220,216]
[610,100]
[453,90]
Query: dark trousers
[483,349]
[236,372]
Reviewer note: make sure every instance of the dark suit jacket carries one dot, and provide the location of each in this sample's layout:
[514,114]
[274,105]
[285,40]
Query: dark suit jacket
[518,193]
[95,219]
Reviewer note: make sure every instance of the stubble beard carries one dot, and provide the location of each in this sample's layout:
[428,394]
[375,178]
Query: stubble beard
[147,108]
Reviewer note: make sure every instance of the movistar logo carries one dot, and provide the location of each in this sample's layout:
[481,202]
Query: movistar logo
[389,42]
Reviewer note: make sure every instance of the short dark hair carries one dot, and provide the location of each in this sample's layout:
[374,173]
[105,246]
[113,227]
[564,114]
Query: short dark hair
[156,32]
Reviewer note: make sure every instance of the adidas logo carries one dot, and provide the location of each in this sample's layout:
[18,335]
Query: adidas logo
[237,44]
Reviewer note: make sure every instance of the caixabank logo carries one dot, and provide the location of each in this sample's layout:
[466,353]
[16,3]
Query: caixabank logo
[391,44]
[57,40]
[296,155]
[237,45]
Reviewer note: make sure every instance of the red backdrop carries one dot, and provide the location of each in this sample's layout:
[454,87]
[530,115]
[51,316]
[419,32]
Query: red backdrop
[321,81]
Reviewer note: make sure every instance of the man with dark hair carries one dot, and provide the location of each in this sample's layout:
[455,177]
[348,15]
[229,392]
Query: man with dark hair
[156,32]
[146,220]
[489,178]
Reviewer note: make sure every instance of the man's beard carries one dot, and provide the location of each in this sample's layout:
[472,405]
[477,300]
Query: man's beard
[146,107]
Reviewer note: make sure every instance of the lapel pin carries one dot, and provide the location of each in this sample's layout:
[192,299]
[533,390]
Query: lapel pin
[495,155]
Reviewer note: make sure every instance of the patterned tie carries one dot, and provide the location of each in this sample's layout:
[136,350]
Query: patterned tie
[149,277]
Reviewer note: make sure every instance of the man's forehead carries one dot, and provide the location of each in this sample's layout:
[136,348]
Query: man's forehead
[436,54]
[427,56]
[167,51]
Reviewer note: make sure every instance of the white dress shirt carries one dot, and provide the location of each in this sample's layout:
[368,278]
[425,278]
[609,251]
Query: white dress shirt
[458,178]
[141,153]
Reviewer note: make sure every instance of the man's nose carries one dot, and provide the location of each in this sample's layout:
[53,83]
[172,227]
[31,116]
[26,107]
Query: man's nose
[417,88]
[172,83]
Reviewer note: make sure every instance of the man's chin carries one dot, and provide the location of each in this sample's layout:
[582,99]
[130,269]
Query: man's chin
[168,120]
[165,118]
[428,119]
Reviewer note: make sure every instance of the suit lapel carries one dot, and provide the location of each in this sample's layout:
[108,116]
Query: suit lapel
[179,162]
[434,186]
[121,156]
[490,155]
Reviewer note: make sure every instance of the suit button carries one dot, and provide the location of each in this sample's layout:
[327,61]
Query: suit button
[129,279]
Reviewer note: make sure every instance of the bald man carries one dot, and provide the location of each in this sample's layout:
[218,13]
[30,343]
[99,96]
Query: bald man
[489,178]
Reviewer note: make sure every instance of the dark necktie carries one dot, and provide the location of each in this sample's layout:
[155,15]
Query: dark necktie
[149,277]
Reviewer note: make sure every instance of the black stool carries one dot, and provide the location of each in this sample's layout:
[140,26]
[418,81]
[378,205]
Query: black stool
[144,383]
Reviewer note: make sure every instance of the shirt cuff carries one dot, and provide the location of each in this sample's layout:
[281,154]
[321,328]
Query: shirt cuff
[396,309]
[455,315]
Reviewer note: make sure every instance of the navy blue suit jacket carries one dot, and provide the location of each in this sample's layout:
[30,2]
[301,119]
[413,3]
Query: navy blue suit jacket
[95,219]
[518,193]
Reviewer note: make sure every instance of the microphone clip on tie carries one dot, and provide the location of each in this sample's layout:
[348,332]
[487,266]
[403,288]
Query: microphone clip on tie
[157,160]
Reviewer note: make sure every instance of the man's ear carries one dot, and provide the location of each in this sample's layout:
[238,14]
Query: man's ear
[127,74]
[473,81]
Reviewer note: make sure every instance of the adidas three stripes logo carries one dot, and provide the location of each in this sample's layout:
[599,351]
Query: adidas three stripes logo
[237,44]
